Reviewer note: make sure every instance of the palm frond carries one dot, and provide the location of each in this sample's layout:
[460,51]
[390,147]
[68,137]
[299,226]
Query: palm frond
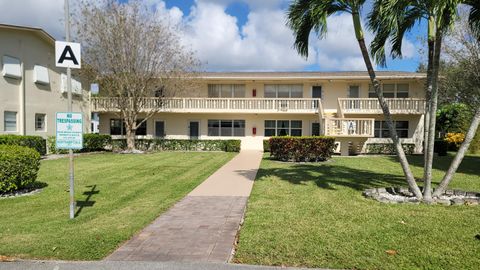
[474,17]
[305,16]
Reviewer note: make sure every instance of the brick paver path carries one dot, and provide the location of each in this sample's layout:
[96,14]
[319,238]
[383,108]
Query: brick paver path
[204,224]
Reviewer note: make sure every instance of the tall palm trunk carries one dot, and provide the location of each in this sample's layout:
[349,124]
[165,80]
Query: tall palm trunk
[427,190]
[386,111]
[459,156]
[428,95]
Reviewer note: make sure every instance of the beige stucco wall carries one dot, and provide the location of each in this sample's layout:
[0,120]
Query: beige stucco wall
[176,126]
[32,49]
[331,89]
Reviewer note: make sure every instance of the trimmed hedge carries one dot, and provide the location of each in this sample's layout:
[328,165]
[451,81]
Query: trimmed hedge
[266,146]
[315,148]
[179,145]
[36,142]
[388,148]
[91,142]
[440,147]
[18,167]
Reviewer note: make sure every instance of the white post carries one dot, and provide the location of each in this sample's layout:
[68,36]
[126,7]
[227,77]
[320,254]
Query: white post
[69,95]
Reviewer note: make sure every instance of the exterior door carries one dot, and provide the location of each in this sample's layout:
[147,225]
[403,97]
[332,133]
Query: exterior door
[159,129]
[354,92]
[194,129]
[315,129]
[316,93]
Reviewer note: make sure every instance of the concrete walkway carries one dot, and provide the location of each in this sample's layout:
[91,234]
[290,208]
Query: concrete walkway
[108,265]
[201,227]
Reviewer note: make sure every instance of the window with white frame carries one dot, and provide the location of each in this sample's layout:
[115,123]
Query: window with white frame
[283,128]
[382,131]
[226,90]
[117,127]
[40,122]
[10,121]
[283,91]
[399,90]
[226,128]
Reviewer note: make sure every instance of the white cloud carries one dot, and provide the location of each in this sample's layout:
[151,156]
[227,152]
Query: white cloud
[263,43]
[46,14]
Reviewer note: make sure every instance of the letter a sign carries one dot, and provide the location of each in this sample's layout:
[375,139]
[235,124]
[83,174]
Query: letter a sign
[67,54]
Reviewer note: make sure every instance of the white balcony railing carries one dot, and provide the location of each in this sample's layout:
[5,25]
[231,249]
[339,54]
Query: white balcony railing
[224,105]
[349,127]
[372,106]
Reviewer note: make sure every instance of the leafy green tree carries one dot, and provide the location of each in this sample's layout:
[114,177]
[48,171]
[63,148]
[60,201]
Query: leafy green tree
[391,20]
[305,16]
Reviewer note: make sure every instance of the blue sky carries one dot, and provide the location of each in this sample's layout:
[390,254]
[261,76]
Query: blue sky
[237,35]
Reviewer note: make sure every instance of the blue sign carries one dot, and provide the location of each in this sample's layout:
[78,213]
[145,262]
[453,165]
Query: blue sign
[69,130]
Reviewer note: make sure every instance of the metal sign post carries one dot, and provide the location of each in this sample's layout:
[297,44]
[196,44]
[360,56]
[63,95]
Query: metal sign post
[67,55]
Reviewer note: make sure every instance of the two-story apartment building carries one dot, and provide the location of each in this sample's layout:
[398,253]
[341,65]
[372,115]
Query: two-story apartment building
[253,106]
[32,89]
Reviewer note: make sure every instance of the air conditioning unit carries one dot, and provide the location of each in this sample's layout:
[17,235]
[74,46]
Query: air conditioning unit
[11,67]
[40,75]
[76,85]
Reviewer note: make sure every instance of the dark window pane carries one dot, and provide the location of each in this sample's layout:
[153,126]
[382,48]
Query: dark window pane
[283,124]
[142,129]
[385,133]
[115,127]
[269,132]
[296,132]
[269,123]
[403,133]
[388,94]
[213,128]
[239,128]
[296,124]
[282,132]
[315,129]
[226,128]
[377,133]
[401,124]
[372,95]
[402,94]
[378,124]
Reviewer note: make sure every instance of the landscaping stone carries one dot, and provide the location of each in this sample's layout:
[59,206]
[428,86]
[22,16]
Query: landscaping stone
[397,195]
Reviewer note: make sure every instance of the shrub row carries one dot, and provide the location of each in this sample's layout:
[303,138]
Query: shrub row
[36,142]
[315,148]
[91,142]
[180,145]
[18,167]
[266,146]
[388,148]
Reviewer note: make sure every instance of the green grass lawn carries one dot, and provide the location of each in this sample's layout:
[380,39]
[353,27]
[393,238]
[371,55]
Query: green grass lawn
[314,215]
[117,196]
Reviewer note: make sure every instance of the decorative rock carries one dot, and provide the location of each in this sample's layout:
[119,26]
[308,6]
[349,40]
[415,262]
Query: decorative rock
[443,201]
[396,195]
[448,192]
[470,201]
[458,201]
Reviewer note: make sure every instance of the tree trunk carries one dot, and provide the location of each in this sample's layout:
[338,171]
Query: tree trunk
[459,156]
[427,189]
[130,135]
[428,95]
[386,111]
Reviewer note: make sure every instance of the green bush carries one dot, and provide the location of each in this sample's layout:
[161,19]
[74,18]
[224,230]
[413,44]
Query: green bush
[316,148]
[91,143]
[440,147]
[36,142]
[388,148]
[475,145]
[18,167]
[179,145]
[266,146]
[96,142]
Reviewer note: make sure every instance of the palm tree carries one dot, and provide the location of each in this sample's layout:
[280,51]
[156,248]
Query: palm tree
[305,16]
[390,20]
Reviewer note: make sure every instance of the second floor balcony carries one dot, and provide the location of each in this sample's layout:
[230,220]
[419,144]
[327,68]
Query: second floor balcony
[214,105]
[372,106]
